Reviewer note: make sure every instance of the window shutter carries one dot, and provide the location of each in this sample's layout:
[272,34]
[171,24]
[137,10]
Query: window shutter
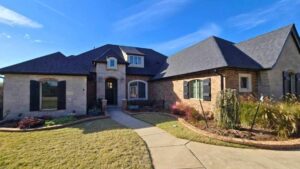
[286,83]
[61,101]
[186,90]
[34,95]
[207,90]
[297,84]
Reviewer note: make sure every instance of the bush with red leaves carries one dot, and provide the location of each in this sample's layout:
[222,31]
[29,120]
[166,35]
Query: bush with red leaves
[30,122]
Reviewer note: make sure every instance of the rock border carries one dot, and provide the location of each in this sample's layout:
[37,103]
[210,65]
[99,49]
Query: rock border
[271,145]
[4,129]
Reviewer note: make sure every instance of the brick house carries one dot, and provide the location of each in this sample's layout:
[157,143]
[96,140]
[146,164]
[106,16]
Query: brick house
[57,85]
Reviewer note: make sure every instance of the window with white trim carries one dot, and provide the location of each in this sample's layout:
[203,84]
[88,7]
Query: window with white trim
[137,90]
[245,82]
[136,61]
[112,63]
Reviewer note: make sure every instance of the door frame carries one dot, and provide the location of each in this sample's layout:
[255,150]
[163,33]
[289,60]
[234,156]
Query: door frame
[111,91]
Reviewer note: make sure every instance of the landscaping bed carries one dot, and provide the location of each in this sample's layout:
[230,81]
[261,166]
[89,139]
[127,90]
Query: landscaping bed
[93,144]
[46,122]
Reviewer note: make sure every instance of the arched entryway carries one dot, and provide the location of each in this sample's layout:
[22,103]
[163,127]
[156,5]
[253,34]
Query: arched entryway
[111,91]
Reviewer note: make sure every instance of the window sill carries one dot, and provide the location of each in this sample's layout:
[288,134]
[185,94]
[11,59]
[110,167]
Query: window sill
[132,99]
[48,110]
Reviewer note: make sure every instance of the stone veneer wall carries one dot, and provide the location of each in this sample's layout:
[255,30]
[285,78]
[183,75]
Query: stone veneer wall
[17,95]
[171,90]
[102,73]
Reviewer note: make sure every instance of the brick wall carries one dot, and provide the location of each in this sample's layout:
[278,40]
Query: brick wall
[232,80]
[172,91]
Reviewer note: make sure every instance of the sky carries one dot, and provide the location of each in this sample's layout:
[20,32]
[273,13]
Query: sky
[33,28]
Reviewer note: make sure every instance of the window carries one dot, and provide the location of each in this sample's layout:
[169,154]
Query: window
[136,61]
[49,95]
[290,83]
[245,83]
[196,89]
[111,63]
[137,90]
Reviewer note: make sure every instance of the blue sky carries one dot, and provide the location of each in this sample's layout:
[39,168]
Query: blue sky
[34,28]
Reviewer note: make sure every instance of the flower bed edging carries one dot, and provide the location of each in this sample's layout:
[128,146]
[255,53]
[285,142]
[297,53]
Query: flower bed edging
[272,145]
[4,129]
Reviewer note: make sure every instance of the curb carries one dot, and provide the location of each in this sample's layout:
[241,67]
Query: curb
[3,129]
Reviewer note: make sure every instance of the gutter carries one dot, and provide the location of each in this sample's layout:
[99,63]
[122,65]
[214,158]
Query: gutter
[222,78]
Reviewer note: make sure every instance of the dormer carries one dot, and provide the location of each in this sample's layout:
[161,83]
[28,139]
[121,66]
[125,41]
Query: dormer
[112,63]
[136,61]
[133,56]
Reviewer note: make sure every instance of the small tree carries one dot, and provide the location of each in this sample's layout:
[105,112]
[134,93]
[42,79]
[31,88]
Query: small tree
[228,109]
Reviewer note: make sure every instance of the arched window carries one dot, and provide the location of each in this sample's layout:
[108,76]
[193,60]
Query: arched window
[112,63]
[137,90]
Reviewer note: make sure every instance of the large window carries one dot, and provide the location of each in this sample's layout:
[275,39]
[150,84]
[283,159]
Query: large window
[137,90]
[49,95]
[196,89]
[291,83]
[245,83]
[136,61]
[112,63]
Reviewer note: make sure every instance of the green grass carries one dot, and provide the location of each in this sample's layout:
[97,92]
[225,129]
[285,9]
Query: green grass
[61,120]
[172,126]
[97,144]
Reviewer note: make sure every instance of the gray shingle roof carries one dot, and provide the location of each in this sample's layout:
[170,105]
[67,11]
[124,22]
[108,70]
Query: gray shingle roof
[82,64]
[257,53]
[266,48]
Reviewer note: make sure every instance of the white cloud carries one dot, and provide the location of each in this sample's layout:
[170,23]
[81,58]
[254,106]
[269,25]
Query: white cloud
[13,18]
[27,36]
[189,39]
[281,8]
[155,12]
[37,41]
[5,35]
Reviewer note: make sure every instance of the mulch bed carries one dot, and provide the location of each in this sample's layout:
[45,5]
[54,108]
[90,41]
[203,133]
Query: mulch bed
[257,134]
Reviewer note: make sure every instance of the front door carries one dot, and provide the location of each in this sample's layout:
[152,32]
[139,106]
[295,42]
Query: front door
[111,92]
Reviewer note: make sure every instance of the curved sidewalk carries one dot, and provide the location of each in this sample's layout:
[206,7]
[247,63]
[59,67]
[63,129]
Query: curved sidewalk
[169,152]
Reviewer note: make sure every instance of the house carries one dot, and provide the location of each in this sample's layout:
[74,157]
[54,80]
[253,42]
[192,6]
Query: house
[58,85]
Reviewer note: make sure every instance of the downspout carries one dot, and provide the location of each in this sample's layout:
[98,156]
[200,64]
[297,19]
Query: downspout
[222,78]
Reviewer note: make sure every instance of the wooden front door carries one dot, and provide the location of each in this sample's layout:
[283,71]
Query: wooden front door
[111,92]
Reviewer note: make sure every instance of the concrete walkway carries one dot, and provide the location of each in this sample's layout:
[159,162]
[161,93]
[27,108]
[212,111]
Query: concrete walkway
[169,152]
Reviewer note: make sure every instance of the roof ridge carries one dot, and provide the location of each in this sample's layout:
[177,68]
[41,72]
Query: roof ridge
[219,48]
[290,26]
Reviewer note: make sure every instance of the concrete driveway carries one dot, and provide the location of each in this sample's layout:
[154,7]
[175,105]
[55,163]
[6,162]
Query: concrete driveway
[169,152]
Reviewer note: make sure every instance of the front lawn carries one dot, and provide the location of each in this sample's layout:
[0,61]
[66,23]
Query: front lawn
[96,144]
[172,126]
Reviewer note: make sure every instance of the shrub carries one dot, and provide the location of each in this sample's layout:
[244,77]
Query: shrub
[189,113]
[61,120]
[30,122]
[279,116]
[178,109]
[228,109]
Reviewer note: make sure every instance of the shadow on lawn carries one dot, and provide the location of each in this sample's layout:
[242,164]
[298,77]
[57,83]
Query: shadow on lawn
[97,126]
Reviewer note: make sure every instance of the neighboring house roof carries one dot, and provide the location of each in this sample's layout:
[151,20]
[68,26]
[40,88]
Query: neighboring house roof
[258,53]
[82,64]
[265,49]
